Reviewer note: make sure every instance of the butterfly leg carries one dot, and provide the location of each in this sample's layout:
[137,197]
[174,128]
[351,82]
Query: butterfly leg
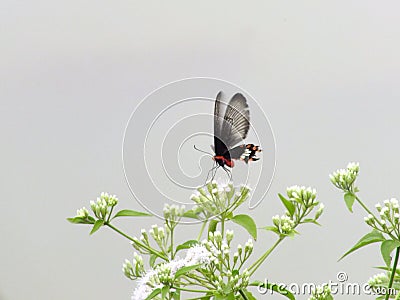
[229,173]
[215,172]
[211,172]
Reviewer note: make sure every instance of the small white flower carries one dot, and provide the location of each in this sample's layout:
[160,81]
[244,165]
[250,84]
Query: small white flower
[353,166]
[82,213]
[197,254]
[396,218]
[143,289]
[344,179]
[249,245]
[378,279]
[229,235]
[321,293]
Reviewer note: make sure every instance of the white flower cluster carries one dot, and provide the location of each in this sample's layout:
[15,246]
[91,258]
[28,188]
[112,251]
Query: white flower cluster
[159,234]
[82,212]
[217,246]
[302,194]
[216,198]
[236,282]
[146,285]
[378,280]
[389,216]
[320,210]
[173,212]
[164,273]
[321,293]
[100,207]
[135,269]
[198,254]
[220,254]
[344,178]
[284,224]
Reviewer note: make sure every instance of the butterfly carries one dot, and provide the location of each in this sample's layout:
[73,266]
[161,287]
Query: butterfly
[230,129]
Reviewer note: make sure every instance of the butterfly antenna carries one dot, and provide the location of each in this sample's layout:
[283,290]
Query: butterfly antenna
[208,153]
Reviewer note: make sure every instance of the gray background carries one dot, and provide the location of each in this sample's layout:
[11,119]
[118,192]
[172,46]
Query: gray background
[71,72]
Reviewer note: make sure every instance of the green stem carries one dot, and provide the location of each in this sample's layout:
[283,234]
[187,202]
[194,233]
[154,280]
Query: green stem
[119,231]
[200,280]
[194,291]
[259,261]
[222,225]
[243,295]
[109,215]
[131,239]
[201,231]
[365,207]
[370,212]
[396,260]
[172,243]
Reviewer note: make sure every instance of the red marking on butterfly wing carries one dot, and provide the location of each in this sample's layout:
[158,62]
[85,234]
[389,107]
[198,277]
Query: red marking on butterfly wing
[230,163]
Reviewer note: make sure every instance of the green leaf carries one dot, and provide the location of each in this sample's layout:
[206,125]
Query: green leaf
[153,294]
[246,222]
[389,269]
[373,237]
[187,245]
[77,220]
[275,287]
[97,226]
[308,220]
[272,228]
[313,221]
[288,204]
[212,226]
[176,295]
[229,215]
[249,295]
[164,292]
[80,220]
[207,297]
[152,260]
[349,198]
[131,213]
[190,214]
[230,296]
[185,270]
[387,248]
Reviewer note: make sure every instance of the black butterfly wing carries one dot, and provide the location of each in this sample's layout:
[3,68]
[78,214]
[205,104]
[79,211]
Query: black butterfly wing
[219,146]
[232,129]
[236,122]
